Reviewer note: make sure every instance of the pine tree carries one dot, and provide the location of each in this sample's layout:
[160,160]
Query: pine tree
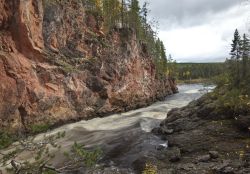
[235,57]
[134,16]
[157,56]
[144,34]
[163,57]
[122,12]
[245,55]
[236,46]
[111,10]
[144,12]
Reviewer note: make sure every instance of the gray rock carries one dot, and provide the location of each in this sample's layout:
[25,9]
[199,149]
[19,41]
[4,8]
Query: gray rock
[243,122]
[162,146]
[228,169]
[214,154]
[204,158]
[175,155]
[167,131]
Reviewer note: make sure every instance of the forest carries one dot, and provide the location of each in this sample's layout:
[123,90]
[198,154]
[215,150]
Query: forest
[189,71]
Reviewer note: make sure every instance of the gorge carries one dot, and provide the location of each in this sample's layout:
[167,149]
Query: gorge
[58,66]
[87,87]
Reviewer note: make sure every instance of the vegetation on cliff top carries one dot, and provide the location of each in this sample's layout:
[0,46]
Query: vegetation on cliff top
[233,93]
[127,14]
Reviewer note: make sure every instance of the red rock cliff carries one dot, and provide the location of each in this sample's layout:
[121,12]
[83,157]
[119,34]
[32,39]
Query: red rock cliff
[56,66]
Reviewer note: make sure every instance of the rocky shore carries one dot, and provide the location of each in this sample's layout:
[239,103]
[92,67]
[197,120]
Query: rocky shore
[204,140]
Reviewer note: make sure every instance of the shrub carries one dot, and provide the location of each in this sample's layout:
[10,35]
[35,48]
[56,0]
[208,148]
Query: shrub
[38,128]
[5,139]
[150,169]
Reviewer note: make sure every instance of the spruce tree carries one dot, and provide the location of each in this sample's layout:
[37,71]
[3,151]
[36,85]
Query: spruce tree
[111,10]
[245,55]
[134,16]
[157,56]
[235,57]
[163,57]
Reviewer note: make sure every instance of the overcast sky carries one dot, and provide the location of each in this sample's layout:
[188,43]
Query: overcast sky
[199,30]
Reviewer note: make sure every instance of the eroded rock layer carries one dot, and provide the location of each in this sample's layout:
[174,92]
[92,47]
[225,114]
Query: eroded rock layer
[56,65]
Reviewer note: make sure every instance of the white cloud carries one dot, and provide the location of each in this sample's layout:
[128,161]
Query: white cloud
[206,42]
[201,37]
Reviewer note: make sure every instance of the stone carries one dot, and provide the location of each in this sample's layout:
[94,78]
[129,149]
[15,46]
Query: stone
[228,170]
[214,154]
[204,158]
[243,122]
[175,155]
[162,146]
[52,86]
[167,131]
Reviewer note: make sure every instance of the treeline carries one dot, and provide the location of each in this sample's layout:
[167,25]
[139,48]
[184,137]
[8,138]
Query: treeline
[238,66]
[190,71]
[128,14]
[233,92]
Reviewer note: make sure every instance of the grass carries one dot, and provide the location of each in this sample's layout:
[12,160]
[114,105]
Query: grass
[6,139]
[38,128]
[66,67]
[235,101]
[150,169]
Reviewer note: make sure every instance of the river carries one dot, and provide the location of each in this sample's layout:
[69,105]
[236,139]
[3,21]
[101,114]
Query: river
[125,138]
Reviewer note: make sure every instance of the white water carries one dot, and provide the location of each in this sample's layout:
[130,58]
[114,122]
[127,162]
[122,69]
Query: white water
[124,137]
[143,116]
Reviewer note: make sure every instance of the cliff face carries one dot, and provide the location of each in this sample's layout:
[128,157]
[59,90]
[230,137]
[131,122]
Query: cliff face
[57,65]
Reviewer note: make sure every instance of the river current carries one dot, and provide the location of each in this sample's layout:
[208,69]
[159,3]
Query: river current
[125,137]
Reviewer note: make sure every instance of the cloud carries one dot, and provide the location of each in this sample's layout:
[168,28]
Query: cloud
[188,12]
[198,31]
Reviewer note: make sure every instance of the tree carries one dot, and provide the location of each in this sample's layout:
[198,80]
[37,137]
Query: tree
[236,56]
[111,11]
[134,15]
[245,55]
[163,56]
[122,12]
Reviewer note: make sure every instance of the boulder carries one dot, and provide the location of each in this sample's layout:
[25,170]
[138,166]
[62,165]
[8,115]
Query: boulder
[204,158]
[214,154]
[243,122]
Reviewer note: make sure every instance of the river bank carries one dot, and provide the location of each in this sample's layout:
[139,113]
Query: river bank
[120,151]
[205,139]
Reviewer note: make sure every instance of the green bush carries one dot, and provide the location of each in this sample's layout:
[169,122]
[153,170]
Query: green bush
[6,139]
[38,128]
[233,101]
[89,158]
[221,80]
[150,169]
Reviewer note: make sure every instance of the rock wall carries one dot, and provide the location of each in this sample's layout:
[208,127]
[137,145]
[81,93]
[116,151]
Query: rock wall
[56,65]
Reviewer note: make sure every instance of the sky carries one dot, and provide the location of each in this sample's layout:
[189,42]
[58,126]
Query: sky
[199,30]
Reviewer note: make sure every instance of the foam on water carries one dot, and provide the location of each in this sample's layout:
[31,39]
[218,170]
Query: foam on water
[131,128]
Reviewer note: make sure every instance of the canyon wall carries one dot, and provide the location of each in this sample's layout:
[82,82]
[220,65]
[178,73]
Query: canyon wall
[56,66]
